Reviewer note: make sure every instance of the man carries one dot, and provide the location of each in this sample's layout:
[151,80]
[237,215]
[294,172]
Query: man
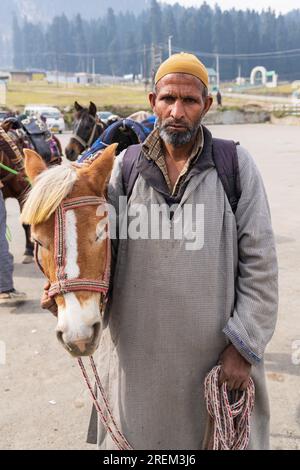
[177,311]
[219,98]
[8,294]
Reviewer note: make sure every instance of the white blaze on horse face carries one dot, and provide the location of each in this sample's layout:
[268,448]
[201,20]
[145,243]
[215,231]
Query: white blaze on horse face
[76,319]
[72,268]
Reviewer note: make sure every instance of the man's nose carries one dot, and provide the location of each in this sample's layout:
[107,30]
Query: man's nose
[177,111]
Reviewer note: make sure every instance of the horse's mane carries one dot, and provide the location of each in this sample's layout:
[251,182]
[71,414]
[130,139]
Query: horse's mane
[48,191]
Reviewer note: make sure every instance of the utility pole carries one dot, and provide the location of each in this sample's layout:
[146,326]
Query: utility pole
[240,75]
[218,70]
[145,63]
[170,45]
[156,59]
[56,63]
[94,75]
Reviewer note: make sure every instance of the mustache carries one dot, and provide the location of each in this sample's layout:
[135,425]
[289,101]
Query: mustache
[172,122]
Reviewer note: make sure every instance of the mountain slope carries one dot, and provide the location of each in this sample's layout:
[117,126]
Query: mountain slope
[45,10]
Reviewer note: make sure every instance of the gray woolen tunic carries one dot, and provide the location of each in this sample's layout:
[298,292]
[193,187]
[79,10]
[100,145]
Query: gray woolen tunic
[173,311]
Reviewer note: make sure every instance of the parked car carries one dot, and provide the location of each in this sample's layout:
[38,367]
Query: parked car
[296,97]
[53,116]
[107,117]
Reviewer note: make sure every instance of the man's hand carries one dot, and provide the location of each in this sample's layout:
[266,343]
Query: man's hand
[235,370]
[87,163]
[48,303]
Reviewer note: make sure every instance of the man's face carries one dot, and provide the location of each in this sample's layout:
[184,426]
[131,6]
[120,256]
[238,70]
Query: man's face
[180,107]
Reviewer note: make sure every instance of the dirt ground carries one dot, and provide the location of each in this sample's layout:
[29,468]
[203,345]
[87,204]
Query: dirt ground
[43,400]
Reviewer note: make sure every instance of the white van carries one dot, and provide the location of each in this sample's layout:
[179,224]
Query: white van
[53,116]
[296,97]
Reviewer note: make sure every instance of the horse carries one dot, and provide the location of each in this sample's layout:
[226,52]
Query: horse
[87,129]
[68,215]
[15,186]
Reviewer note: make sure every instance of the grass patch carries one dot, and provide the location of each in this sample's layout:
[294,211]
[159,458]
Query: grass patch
[281,90]
[105,97]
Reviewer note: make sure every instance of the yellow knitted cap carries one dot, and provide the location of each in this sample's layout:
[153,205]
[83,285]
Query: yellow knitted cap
[183,63]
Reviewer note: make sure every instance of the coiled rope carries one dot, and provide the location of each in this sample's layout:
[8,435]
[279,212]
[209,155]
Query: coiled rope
[231,421]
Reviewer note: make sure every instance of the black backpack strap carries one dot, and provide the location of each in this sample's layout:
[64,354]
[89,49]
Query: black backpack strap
[129,170]
[226,160]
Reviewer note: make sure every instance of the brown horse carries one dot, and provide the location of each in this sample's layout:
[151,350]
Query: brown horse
[15,186]
[68,215]
[87,129]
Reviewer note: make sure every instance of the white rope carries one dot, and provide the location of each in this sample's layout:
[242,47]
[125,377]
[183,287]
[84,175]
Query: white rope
[231,421]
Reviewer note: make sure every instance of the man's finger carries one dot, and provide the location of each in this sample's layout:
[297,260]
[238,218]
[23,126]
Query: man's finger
[222,377]
[230,385]
[48,303]
[244,385]
[47,285]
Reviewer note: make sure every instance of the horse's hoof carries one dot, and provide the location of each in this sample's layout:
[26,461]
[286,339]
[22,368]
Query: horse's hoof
[28,259]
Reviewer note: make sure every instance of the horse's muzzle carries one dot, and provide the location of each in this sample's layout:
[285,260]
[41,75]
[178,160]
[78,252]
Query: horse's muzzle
[81,346]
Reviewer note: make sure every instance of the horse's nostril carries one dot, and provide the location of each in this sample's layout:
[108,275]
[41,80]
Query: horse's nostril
[59,335]
[96,328]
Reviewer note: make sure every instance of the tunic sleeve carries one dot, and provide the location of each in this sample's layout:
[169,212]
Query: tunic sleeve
[252,324]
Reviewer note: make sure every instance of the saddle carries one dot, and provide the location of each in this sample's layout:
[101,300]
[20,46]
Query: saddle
[39,135]
[33,133]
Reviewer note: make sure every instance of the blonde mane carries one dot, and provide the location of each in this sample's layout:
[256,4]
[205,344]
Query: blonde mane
[48,191]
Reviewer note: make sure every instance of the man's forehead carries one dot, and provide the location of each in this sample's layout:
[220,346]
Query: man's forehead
[178,82]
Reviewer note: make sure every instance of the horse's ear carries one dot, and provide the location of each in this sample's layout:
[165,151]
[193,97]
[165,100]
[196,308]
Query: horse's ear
[34,164]
[100,170]
[92,109]
[77,106]
[6,125]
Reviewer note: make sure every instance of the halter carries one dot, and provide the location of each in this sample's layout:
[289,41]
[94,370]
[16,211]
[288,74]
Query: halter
[64,285]
[86,143]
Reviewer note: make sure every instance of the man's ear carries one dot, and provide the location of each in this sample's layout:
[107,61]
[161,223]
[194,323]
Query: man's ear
[152,100]
[99,171]
[34,164]
[209,102]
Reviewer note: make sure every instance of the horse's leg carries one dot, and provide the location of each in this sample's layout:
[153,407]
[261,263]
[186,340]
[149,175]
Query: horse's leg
[28,254]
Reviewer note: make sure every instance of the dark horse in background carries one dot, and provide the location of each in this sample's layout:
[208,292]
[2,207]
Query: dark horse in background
[17,186]
[87,128]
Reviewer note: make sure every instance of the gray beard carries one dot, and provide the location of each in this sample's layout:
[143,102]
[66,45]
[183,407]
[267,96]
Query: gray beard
[177,139]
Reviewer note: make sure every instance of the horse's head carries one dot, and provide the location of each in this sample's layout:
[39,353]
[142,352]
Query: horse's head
[87,128]
[67,212]
[13,128]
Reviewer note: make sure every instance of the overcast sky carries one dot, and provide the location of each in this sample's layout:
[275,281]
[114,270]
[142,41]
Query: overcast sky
[282,6]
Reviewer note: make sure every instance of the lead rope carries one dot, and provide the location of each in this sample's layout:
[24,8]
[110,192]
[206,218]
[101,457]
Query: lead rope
[116,435]
[231,421]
